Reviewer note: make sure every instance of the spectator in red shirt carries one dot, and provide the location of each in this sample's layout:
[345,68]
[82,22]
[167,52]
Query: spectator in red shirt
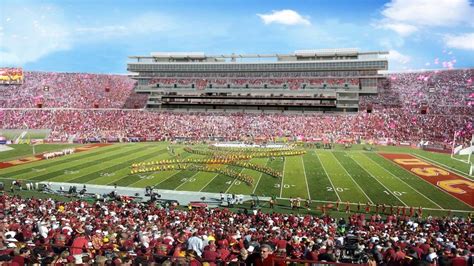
[79,245]
[22,258]
[457,260]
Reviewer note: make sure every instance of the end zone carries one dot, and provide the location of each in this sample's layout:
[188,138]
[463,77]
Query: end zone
[40,157]
[456,185]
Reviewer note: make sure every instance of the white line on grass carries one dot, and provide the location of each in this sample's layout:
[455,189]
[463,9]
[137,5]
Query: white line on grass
[376,179]
[352,178]
[256,185]
[187,180]
[235,179]
[155,177]
[356,203]
[436,163]
[405,183]
[208,182]
[440,189]
[305,178]
[329,178]
[283,177]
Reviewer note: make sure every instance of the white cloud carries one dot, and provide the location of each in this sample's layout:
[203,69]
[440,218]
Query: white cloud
[464,41]
[34,31]
[285,17]
[395,56]
[400,28]
[28,34]
[407,16]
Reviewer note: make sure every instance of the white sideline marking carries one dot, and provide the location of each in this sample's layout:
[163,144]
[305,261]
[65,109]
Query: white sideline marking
[356,203]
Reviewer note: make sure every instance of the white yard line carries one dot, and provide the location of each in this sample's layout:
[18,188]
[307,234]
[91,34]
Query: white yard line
[208,182]
[283,177]
[154,178]
[305,178]
[330,181]
[351,178]
[233,182]
[187,181]
[406,183]
[376,179]
[258,181]
[256,185]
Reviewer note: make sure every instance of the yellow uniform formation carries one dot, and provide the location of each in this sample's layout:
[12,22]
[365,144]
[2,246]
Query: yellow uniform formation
[188,166]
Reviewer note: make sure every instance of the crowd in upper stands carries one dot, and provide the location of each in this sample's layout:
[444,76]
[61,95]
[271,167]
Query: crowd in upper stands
[442,92]
[447,97]
[115,233]
[68,90]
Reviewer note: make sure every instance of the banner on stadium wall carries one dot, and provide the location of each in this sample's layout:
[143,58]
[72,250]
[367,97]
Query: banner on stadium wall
[11,75]
[3,140]
[404,143]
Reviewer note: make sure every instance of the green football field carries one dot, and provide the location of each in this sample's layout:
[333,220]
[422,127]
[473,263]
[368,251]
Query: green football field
[353,174]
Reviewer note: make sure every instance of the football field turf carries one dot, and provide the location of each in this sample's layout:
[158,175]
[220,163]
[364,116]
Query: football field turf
[346,175]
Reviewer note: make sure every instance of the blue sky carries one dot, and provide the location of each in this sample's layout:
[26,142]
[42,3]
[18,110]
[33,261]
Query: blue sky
[97,36]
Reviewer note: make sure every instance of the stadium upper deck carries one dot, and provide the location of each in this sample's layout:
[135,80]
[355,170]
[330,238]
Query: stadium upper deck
[307,80]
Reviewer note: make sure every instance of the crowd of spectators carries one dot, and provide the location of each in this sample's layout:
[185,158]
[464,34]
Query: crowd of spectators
[70,90]
[53,232]
[446,96]
[449,92]
[387,124]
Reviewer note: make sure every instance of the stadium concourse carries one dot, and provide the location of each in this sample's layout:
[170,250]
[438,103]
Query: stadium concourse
[88,106]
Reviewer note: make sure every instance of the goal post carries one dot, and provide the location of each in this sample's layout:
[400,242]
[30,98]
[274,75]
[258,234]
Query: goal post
[462,151]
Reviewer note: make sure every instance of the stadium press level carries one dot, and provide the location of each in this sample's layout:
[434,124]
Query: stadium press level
[304,81]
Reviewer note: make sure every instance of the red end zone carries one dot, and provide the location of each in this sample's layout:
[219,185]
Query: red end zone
[458,186]
[39,157]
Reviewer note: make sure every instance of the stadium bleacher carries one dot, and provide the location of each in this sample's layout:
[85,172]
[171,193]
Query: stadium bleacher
[91,106]
[123,232]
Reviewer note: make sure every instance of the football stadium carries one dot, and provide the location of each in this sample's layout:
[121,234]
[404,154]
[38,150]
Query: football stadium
[313,157]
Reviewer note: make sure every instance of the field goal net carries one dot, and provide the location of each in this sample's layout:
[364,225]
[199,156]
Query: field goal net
[462,151]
